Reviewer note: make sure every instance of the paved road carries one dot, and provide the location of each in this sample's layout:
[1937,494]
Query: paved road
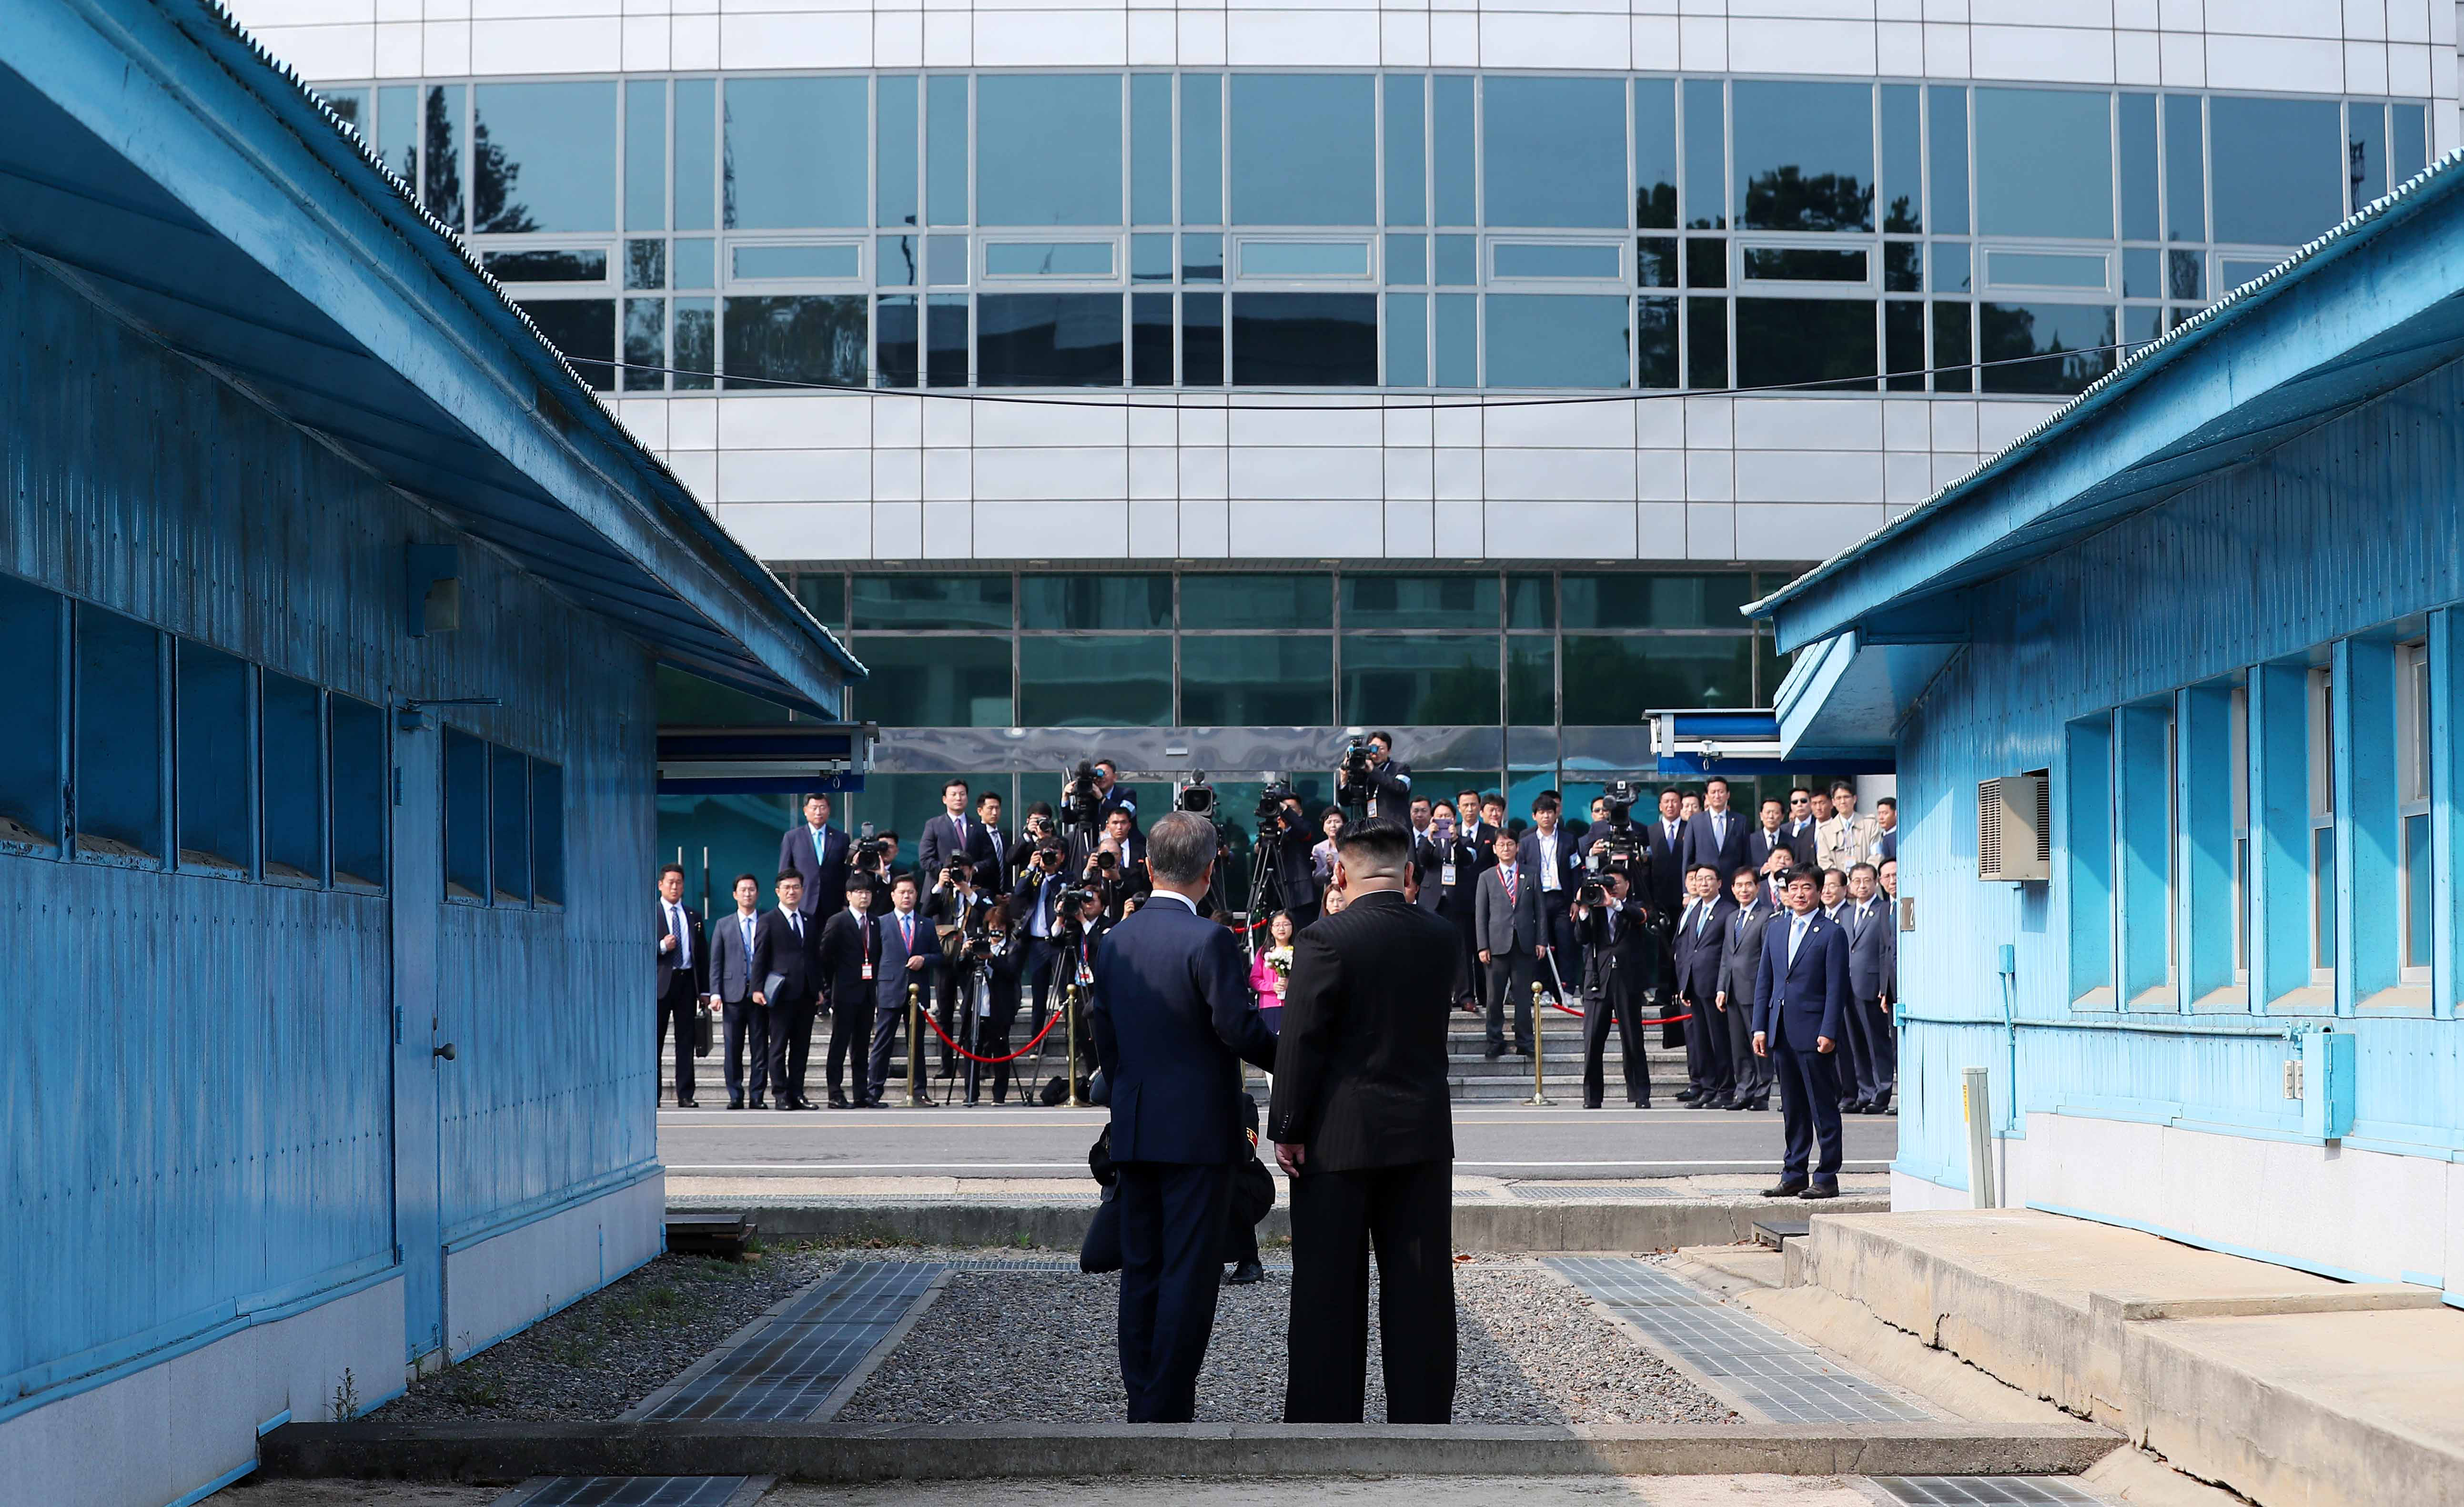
[1501,1139]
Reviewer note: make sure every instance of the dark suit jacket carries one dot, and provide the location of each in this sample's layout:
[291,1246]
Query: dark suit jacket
[847,945]
[1119,798]
[1569,866]
[1869,947]
[1502,927]
[1886,846]
[1727,856]
[1429,858]
[1174,1020]
[1667,883]
[1696,950]
[1798,1002]
[777,949]
[891,974]
[944,842]
[1741,955]
[700,954]
[1760,844]
[730,973]
[1631,966]
[825,872]
[1360,1070]
[1463,898]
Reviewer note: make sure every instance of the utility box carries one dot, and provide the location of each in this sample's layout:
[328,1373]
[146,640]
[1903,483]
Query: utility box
[2326,1084]
[2014,837]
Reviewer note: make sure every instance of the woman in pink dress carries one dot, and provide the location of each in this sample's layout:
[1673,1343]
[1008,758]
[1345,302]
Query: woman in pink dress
[1271,974]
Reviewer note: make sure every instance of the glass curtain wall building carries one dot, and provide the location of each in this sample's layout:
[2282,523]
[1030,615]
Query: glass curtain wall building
[1405,230]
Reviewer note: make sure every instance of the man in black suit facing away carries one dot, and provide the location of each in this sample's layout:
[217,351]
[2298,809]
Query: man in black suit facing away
[818,852]
[1362,1126]
[1702,932]
[1174,1020]
[684,975]
[1800,1008]
[786,945]
[746,1025]
[849,954]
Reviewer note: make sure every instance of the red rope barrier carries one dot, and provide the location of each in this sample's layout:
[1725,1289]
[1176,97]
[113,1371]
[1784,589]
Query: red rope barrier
[1049,1022]
[1563,1009]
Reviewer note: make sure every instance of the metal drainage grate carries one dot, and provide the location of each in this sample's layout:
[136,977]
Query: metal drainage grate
[1592,1193]
[1985,1490]
[631,1491]
[1784,1381]
[785,1371]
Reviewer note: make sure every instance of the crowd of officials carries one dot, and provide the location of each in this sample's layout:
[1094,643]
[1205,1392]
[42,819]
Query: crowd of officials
[992,926]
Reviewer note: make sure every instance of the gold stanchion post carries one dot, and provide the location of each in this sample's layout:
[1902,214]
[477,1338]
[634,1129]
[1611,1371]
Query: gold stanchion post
[1539,1050]
[1069,1024]
[914,1046]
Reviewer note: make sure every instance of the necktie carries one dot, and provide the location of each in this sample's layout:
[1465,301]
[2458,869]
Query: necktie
[1671,830]
[1506,876]
[821,852]
[1796,935]
[796,923]
[745,925]
[1719,828]
[906,930]
[684,938]
[1702,918]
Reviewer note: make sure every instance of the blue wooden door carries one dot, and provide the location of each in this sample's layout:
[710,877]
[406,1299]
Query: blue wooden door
[417,891]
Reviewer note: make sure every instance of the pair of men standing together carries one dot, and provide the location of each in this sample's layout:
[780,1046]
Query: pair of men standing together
[1360,1120]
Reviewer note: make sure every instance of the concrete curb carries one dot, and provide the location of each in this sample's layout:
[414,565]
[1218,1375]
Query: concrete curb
[1488,1229]
[855,1452]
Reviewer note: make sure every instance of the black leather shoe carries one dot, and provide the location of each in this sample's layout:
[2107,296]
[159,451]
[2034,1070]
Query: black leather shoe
[838,1101]
[1736,1103]
[736,1103]
[1494,1050]
[687,1103]
[1821,1191]
[1244,1274]
[918,1101]
[1522,1050]
[1785,1187]
[1761,1103]
[784,1105]
[1880,1106]
[1716,1101]
[758,1102]
[1688,1095]
[805,1104]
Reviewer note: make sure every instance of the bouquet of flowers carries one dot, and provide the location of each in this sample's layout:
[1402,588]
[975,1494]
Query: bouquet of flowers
[1280,958]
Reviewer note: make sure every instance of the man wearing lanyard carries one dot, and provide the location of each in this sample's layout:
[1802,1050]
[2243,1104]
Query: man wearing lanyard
[1801,1009]
[1548,855]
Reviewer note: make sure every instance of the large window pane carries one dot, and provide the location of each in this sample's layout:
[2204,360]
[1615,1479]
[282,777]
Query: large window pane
[1257,682]
[1553,150]
[1632,600]
[945,149]
[441,162]
[1538,340]
[1096,682]
[1827,344]
[466,816]
[797,338]
[1407,150]
[1201,339]
[1656,342]
[1151,340]
[1048,339]
[2186,180]
[1305,339]
[1380,601]
[31,704]
[2068,335]
[696,160]
[1095,601]
[1804,156]
[1421,680]
[896,352]
[646,155]
[1531,682]
[291,750]
[361,790]
[1903,182]
[2136,126]
[543,156]
[1456,147]
[211,788]
[509,794]
[1654,153]
[934,683]
[1947,158]
[2044,163]
[584,331]
[1706,155]
[1304,149]
[934,600]
[1201,149]
[1407,339]
[1612,682]
[1247,600]
[795,153]
[1048,149]
[897,162]
[2275,168]
[1150,148]
[120,741]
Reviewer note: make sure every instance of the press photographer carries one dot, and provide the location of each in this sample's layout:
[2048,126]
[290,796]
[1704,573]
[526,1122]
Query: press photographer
[1627,956]
[1369,779]
[871,858]
[1038,828]
[1078,929]
[956,908]
[987,968]
[1114,864]
[1617,845]
[1035,903]
[1282,874]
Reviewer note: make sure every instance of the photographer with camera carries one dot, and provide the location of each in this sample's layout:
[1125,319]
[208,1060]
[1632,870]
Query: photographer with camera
[1114,864]
[987,967]
[1369,779]
[1037,828]
[1078,928]
[1616,926]
[871,857]
[1115,796]
[1035,909]
[1281,877]
[956,908]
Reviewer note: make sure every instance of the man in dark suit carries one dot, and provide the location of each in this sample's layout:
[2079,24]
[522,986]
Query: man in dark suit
[1507,923]
[1553,857]
[1886,829]
[1113,864]
[1800,1004]
[1174,1020]
[1384,789]
[954,835]
[1741,959]
[1628,950]
[909,955]
[1362,1126]
[1772,849]
[684,975]
[1664,838]
[1426,860]
[733,979]
[1867,919]
[786,947]
[1112,795]
[849,956]
[1035,917]
[1702,930]
[1802,821]
[1717,835]
[818,852]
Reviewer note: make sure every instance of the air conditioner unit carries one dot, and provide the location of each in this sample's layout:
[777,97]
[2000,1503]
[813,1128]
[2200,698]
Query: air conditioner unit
[2014,828]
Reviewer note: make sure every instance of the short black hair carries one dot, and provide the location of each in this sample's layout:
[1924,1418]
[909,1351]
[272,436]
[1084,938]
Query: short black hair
[952,782]
[897,879]
[743,879]
[1720,780]
[1891,801]
[988,795]
[676,869]
[1038,808]
[784,874]
[1867,867]
[810,796]
[1837,786]
[1773,800]
[1385,843]
[1547,801]
[1703,868]
[1788,880]
[1388,739]
[1828,873]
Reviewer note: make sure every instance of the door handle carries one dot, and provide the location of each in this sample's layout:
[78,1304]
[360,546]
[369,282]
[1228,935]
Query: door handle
[446,1051]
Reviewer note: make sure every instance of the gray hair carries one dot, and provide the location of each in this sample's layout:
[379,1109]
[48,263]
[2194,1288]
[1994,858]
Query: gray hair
[1179,847]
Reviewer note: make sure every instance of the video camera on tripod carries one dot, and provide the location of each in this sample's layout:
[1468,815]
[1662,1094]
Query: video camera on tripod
[1081,806]
[1196,796]
[1617,846]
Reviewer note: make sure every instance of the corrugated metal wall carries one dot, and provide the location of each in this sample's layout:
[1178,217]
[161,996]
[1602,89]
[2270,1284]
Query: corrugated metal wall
[2349,527]
[212,1128]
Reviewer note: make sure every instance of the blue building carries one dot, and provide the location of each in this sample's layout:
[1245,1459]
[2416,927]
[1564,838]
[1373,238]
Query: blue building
[333,605]
[2216,606]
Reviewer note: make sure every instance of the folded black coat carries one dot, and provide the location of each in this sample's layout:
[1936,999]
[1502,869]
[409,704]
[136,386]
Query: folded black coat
[1253,1195]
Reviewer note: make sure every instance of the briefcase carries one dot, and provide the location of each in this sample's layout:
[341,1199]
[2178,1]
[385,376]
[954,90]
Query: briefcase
[704,1043]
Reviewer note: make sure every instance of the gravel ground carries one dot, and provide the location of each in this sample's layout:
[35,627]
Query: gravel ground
[617,1346]
[1532,1351]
